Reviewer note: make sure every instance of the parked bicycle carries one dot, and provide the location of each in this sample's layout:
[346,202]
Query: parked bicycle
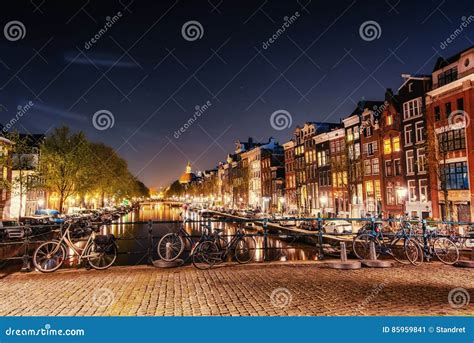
[432,245]
[171,246]
[100,251]
[216,250]
[398,245]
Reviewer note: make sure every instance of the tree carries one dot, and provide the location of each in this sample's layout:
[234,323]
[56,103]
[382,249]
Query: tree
[437,156]
[62,165]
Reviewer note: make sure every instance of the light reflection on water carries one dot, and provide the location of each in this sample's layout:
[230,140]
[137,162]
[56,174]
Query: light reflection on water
[135,245]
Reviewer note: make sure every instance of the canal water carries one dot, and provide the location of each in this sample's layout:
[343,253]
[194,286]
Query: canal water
[134,242]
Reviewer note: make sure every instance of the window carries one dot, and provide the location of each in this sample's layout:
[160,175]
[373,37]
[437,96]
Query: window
[460,104]
[390,194]
[419,131]
[410,87]
[437,113]
[452,140]
[377,189]
[398,167]
[421,160]
[375,166]
[388,168]
[447,76]
[412,108]
[411,190]
[367,167]
[423,189]
[370,148]
[369,189]
[396,143]
[447,107]
[368,131]
[356,132]
[350,136]
[387,148]
[389,120]
[454,176]
[356,151]
[410,162]
[408,130]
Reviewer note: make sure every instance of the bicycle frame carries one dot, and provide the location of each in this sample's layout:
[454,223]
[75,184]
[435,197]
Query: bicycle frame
[67,240]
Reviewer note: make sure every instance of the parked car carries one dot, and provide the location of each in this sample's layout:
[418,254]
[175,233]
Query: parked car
[55,215]
[337,227]
[11,229]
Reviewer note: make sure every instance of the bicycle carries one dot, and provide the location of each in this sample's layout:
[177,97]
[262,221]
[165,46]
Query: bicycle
[171,246]
[216,250]
[400,247]
[100,251]
[433,245]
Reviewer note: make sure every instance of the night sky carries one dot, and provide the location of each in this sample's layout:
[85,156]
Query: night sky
[150,78]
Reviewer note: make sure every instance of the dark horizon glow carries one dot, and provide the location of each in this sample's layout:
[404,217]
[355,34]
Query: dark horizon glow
[151,79]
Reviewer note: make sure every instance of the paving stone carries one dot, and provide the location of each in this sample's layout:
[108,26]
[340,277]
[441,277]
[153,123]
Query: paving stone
[297,289]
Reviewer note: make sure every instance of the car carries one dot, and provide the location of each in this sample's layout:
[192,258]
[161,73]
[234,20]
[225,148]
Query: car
[337,227]
[55,215]
[11,229]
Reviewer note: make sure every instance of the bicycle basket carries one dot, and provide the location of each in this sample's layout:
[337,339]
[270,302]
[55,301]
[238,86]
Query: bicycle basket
[104,243]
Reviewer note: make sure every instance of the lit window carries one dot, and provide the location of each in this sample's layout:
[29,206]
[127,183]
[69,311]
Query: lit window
[387,148]
[389,120]
[396,143]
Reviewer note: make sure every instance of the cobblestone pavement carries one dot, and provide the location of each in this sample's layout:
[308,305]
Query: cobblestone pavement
[298,289]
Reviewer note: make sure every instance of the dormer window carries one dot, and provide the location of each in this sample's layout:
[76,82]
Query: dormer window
[448,76]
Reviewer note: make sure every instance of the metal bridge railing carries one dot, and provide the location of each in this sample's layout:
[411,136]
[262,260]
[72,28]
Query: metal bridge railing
[266,229]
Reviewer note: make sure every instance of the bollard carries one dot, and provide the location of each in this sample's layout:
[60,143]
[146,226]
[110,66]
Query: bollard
[343,252]
[26,267]
[265,239]
[343,264]
[320,237]
[168,250]
[372,253]
[372,262]
[150,242]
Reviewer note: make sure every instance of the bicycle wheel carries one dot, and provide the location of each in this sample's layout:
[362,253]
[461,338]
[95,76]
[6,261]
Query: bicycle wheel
[361,246]
[245,249]
[404,251]
[445,250]
[100,257]
[205,255]
[418,258]
[49,257]
[170,247]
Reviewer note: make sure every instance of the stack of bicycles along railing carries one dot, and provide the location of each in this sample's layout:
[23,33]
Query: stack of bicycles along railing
[413,242]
